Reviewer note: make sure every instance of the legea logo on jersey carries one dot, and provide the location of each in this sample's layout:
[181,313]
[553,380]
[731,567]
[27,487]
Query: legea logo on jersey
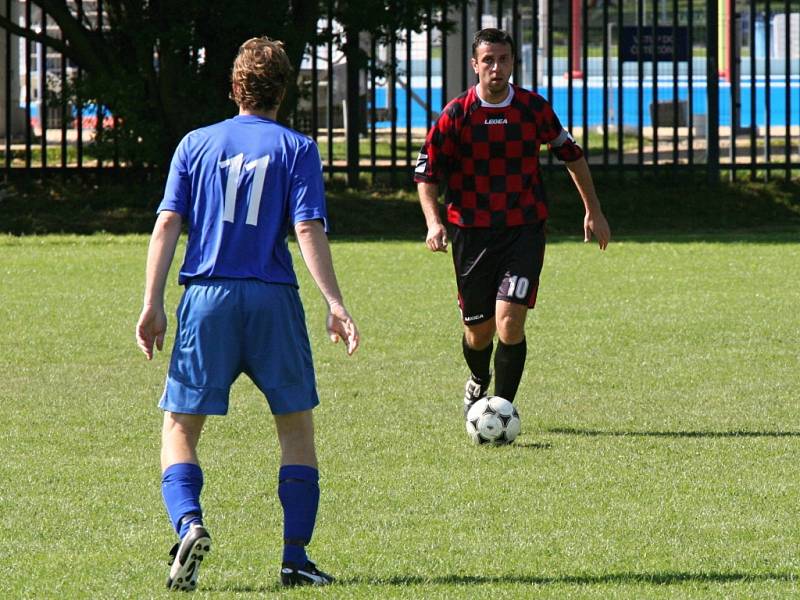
[496,121]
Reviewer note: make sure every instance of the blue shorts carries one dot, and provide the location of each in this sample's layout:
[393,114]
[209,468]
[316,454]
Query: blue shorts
[232,326]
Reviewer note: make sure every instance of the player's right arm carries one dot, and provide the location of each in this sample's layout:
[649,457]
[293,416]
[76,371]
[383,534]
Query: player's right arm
[437,151]
[152,323]
[436,238]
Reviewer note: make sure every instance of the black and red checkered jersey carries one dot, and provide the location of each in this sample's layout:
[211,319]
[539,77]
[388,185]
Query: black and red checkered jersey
[489,158]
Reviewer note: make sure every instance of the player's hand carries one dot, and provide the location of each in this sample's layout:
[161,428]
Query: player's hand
[341,326]
[437,238]
[150,329]
[596,224]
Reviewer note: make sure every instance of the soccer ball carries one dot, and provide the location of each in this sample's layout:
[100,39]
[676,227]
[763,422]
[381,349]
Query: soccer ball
[493,420]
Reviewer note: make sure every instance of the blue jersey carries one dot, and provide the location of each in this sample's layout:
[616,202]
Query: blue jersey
[240,184]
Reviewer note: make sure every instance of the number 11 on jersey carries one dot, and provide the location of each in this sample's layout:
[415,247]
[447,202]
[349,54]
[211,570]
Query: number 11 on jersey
[234,166]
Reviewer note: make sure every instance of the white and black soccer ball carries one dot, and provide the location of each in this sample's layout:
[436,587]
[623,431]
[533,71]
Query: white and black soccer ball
[493,420]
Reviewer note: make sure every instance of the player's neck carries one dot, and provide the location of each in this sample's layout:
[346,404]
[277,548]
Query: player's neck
[487,96]
[266,114]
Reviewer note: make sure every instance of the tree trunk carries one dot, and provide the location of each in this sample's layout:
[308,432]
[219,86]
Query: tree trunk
[303,28]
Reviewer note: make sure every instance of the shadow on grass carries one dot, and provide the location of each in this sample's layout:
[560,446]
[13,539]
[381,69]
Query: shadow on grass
[645,209]
[675,434]
[679,204]
[81,204]
[648,208]
[532,445]
[658,578]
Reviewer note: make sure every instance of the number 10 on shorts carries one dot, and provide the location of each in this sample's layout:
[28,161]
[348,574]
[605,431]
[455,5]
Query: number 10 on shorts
[518,287]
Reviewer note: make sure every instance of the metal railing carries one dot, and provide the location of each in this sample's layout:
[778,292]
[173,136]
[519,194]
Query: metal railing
[629,79]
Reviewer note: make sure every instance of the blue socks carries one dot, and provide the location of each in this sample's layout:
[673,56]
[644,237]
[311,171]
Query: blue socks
[298,490]
[180,485]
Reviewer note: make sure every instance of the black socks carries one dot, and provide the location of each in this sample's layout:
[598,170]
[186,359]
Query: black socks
[478,361]
[509,362]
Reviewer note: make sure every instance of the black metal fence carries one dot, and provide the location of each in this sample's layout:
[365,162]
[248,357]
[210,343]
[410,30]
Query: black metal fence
[641,84]
[37,133]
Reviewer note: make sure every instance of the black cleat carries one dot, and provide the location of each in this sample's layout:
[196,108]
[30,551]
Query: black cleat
[187,557]
[291,575]
[474,391]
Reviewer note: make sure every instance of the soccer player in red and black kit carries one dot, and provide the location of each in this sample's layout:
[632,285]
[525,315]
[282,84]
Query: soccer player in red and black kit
[484,147]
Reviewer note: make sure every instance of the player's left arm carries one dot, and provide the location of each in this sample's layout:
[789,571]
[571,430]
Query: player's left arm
[563,145]
[152,324]
[316,253]
[594,221]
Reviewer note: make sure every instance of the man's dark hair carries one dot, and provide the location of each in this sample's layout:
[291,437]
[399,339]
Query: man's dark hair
[491,36]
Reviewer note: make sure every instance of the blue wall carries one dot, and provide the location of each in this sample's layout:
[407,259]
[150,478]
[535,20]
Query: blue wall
[630,103]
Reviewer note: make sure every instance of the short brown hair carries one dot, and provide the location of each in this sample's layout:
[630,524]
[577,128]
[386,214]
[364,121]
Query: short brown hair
[260,75]
[491,36]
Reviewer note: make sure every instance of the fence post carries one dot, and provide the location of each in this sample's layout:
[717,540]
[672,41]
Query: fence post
[712,89]
[353,118]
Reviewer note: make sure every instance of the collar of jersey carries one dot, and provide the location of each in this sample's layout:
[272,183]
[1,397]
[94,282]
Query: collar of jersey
[503,104]
[252,119]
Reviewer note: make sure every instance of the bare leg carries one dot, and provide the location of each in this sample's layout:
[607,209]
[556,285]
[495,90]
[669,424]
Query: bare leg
[481,335]
[179,437]
[296,437]
[510,320]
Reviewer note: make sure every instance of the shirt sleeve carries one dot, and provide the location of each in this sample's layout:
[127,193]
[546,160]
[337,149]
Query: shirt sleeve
[438,149]
[178,190]
[552,133]
[307,189]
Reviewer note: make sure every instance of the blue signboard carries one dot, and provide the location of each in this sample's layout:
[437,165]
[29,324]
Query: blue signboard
[667,44]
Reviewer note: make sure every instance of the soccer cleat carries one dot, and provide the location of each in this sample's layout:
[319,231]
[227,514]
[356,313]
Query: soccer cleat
[187,557]
[292,575]
[473,392]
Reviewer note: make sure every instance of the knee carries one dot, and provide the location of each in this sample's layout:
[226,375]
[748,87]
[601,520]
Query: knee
[511,328]
[478,337]
[179,438]
[181,421]
[296,438]
[182,427]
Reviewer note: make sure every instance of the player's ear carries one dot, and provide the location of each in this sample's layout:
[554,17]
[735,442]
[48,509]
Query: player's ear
[474,63]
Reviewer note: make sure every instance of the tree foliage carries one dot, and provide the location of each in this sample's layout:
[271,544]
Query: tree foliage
[162,67]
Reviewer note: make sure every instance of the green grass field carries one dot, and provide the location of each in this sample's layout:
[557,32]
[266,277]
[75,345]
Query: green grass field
[658,457]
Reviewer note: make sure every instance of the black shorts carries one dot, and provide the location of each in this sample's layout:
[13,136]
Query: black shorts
[496,264]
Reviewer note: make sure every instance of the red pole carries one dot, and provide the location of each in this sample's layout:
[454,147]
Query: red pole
[730,40]
[577,39]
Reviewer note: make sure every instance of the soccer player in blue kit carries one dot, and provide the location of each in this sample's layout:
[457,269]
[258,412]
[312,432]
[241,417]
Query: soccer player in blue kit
[239,185]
